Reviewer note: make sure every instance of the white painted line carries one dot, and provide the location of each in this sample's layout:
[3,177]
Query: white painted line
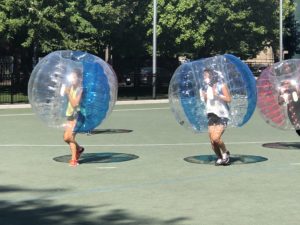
[135,145]
[140,102]
[116,110]
[21,114]
[142,109]
[104,145]
[15,106]
[106,168]
[120,102]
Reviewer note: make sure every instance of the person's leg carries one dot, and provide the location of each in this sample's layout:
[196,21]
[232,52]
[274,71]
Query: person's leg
[214,146]
[79,151]
[216,133]
[69,137]
[217,141]
[218,138]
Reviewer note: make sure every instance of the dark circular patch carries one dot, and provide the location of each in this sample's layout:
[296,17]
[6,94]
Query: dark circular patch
[104,157]
[109,131]
[234,159]
[283,145]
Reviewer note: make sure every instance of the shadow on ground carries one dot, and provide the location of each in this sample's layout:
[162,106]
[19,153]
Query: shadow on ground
[103,157]
[46,212]
[109,131]
[6,189]
[234,159]
[283,145]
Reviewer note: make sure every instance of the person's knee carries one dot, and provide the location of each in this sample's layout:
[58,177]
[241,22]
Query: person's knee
[68,138]
[216,140]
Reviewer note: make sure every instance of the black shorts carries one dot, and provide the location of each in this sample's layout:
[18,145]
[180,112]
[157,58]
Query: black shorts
[213,120]
[73,116]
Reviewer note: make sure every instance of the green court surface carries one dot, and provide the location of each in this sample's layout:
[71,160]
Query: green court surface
[141,167]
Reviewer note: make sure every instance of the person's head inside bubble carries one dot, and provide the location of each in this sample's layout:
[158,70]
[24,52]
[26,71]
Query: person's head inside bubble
[75,77]
[210,77]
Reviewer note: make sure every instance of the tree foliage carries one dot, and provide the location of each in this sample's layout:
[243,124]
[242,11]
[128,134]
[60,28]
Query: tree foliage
[196,27]
[291,38]
[204,28]
[56,24]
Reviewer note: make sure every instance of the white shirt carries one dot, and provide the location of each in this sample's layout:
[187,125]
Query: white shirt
[216,105]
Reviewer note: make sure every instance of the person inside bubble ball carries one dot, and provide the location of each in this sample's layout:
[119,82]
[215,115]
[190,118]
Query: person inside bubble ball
[73,94]
[217,96]
[289,96]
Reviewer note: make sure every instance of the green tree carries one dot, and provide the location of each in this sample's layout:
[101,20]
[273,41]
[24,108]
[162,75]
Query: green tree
[204,28]
[291,38]
[56,24]
[129,38]
[198,27]
[32,25]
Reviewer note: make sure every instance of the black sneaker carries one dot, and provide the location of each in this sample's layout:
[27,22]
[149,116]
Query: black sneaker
[226,162]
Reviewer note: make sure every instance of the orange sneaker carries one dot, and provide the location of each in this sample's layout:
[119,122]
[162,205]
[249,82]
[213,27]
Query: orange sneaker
[79,152]
[73,163]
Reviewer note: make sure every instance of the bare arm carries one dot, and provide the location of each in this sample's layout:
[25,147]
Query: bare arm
[226,96]
[280,99]
[76,100]
[203,94]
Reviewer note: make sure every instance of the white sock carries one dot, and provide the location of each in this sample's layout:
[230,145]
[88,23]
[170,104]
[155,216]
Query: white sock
[224,155]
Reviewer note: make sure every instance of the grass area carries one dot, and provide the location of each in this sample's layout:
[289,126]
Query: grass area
[7,98]
[15,94]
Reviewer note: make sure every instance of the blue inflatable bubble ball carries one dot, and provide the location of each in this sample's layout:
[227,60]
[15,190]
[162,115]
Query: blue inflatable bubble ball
[221,85]
[64,73]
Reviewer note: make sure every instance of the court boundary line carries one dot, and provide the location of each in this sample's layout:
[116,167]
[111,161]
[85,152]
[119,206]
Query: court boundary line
[136,145]
[120,102]
[114,110]
[141,109]
[17,114]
